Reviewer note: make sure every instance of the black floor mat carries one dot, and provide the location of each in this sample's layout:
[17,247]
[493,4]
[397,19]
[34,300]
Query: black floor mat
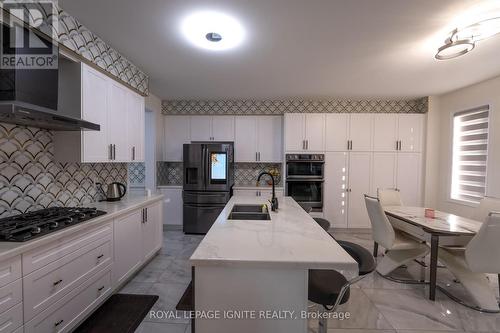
[121,313]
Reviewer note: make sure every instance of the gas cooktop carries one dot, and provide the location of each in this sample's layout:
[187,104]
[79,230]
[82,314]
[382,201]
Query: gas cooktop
[24,227]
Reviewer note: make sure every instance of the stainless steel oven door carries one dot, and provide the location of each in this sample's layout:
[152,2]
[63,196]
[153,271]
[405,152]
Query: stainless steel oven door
[304,169]
[307,191]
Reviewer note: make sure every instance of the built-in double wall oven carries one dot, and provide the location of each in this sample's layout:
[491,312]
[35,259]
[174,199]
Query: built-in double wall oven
[305,179]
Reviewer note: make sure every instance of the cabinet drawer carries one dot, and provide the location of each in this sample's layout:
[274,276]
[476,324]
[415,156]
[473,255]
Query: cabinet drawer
[11,295]
[44,255]
[12,319]
[70,310]
[47,285]
[10,270]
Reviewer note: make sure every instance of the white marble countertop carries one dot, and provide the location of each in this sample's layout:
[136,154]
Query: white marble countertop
[290,239]
[132,201]
[263,187]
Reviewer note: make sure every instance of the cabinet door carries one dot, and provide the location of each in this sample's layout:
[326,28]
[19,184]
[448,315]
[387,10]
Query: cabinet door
[335,205]
[384,171]
[135,125]
[361,131]
[223,128]
[359,185]
[176,134]
[201,128]
[127,246]
[117,121]
[94,109]
[385,133]
[245,139]
[336,131]
[315,132]
[152,234]
[270,139]
[410,132]
[408,178]
[294,131]
[172,206]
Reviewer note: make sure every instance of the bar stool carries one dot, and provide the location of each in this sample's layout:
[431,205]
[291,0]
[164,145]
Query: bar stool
[323,223]
[330,288]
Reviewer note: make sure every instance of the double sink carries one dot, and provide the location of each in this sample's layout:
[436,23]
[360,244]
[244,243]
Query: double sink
[250,212]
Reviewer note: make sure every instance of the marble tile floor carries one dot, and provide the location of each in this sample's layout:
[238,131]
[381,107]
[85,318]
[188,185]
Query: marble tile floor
[376,305]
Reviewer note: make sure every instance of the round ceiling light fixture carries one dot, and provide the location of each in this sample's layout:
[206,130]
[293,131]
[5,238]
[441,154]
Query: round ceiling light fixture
[212,30]
[452,49]
[480,30]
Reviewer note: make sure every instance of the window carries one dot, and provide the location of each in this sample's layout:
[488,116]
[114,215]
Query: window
[470,154]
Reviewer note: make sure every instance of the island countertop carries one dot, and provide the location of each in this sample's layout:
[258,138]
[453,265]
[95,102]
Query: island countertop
[290,239]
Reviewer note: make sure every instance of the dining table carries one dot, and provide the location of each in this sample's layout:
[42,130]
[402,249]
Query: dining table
[436,228]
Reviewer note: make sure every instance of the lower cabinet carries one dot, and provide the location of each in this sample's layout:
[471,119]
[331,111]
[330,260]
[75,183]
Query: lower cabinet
[173,204]
[152,230]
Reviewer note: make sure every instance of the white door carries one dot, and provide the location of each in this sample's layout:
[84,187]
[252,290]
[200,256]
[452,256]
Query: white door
[151,230]
[135,126]
[245,139]
[201,128]
[127,245]
[294,132]
[94,109]
[361,131]
[270,139]
[117,121]
[385,134]
[408,178]
[335,201]
[336,131]
[223,128]
[176,134]
[172,206]
[315,132]
[384,171]
[359,185]
[410,132]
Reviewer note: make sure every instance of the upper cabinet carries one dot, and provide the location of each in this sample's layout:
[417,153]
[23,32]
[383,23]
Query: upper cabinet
[304,132]
[258,139]
[89,94]
[177,133]
[410,132]
[212,128]
[398,132]
[337,131]
[361,131]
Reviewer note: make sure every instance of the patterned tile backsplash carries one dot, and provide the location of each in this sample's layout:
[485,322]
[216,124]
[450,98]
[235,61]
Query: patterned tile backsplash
[245,174]
[200,107]
[30,179]
[136,174]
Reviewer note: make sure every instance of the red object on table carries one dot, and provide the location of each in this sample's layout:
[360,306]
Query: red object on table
[430,213]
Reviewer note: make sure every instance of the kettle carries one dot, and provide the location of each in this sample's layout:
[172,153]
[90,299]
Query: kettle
[115,191]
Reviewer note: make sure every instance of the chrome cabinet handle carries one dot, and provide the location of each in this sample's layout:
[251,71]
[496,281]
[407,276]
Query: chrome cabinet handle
[146,210]
[110,152]
[59,323]
[114,152]
[57,282]
[133,153]
[256,156]
[307,144]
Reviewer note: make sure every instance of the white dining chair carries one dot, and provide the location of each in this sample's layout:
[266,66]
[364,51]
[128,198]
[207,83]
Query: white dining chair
[480,257]
[389,197]
[487,205]
[401,248]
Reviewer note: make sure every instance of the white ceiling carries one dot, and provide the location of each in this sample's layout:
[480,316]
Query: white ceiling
[298,48]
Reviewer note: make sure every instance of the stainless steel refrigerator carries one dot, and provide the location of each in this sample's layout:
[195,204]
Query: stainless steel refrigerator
[208,182]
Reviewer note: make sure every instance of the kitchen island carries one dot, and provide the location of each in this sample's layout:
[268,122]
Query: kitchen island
[252,276]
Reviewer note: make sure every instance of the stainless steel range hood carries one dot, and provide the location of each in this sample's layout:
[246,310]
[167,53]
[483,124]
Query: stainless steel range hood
[29,96]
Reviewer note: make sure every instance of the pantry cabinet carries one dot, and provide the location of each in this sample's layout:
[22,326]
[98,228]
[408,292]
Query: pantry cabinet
[335,207]
[398,132]
[258,139]
[360,164]
[304,132]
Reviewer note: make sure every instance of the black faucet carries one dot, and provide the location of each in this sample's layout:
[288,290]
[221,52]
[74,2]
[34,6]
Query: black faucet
[274,200]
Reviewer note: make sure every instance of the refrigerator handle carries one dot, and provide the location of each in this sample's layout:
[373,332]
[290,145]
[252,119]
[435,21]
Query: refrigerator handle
[205,166]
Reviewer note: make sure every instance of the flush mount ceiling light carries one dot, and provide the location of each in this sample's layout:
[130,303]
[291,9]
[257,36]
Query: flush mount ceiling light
[212,30]
[462,41]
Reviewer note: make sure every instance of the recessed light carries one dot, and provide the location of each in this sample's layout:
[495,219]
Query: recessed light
[212,30]
[452,49]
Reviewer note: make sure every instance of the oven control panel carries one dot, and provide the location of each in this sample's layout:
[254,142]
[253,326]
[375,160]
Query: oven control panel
[305,157]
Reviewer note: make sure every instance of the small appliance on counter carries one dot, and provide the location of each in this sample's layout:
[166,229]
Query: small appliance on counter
[24,227]
[114,192]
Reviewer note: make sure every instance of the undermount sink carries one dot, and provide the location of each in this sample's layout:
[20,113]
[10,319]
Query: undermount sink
[249,212]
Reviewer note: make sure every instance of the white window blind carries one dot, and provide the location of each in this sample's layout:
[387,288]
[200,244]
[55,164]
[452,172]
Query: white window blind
[470,154]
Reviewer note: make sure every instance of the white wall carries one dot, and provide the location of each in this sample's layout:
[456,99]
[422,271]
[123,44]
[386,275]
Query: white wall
[441,110]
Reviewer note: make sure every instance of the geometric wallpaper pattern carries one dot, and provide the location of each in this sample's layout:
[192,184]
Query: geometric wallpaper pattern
[136,174]
[242,107]
[30,179]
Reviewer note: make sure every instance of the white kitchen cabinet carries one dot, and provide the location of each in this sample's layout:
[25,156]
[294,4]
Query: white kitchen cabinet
[152,230]
[117,121]
[315,132]
[258,139]
[201,128]
[361,131]
[212,128]
[384,171]
[385,132]
[176,134]
[360,165]
[304,132]
[295,131]
[335,192]
[245,139]
[409,166]
[337,131]
[411,132]
[128,253]
[172,206]
[135,115]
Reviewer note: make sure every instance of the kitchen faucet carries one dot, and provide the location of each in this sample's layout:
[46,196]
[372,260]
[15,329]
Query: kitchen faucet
[274,200]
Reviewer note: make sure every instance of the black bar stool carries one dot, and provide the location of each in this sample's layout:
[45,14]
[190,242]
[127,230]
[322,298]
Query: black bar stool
[330,288]
[323,223]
